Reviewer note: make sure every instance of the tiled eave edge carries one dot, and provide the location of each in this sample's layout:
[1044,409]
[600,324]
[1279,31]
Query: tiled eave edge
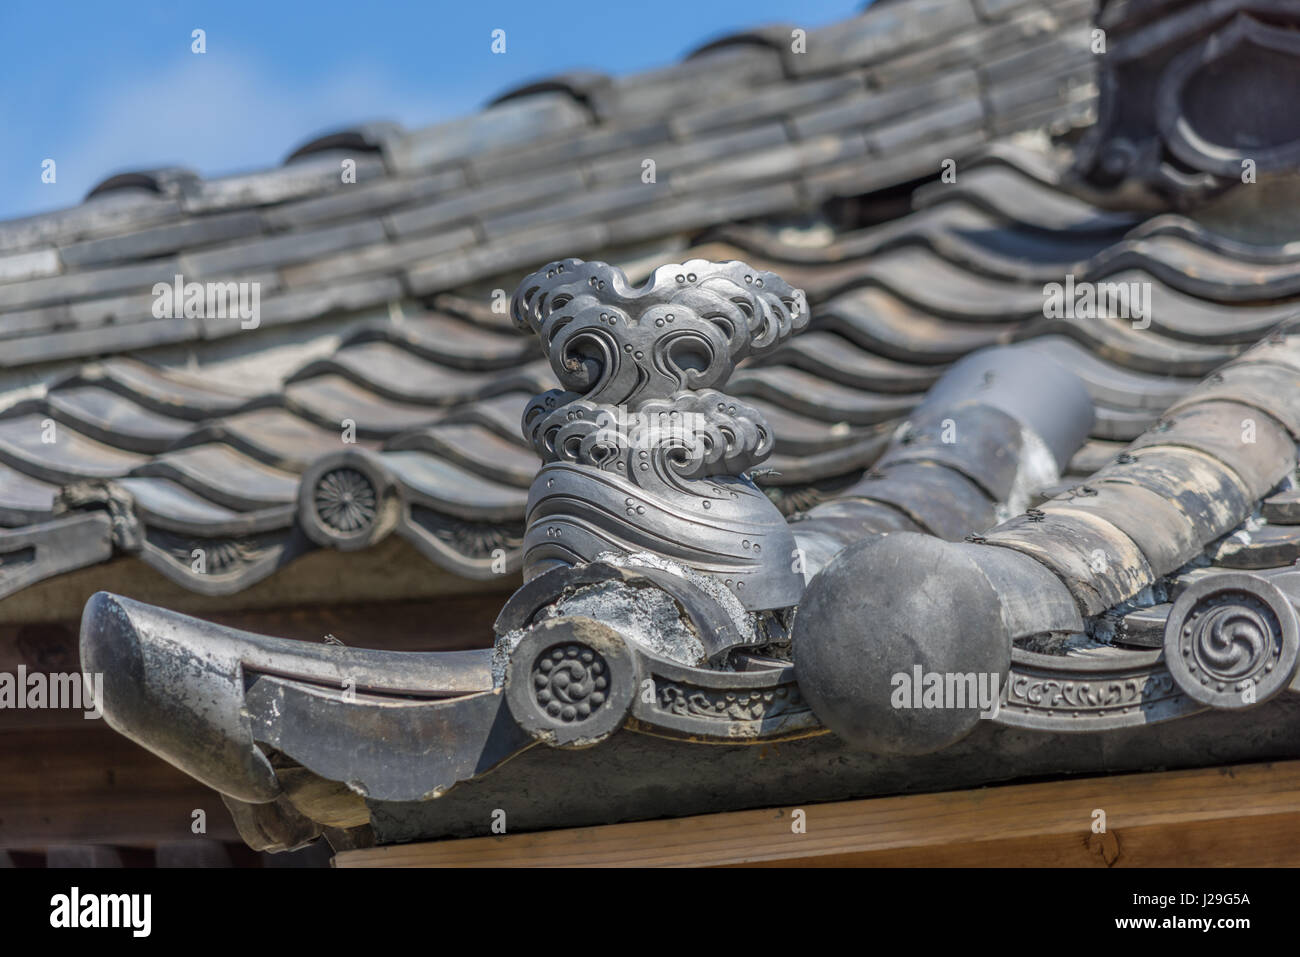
[98,519]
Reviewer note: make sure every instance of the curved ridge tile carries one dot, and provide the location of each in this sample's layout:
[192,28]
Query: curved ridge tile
[1196,270]
[111,418]
[1019,198]
[799,436]
[500,414]
[1110,383]
[331,400]
[1183,316]
[449,341]
[1144,350]
[1034,164]
[1182,227]
[988,247]
[877,321]
[446,487]
[70,456]
[840,360]
[273,435]
[923,279]
[23,499]
[818,466]
[475,448]
[1012,252]
[224,475]
[814,397]
[155,389]
[395,373]
[163,503]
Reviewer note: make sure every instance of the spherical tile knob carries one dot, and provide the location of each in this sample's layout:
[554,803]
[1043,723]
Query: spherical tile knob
[897,640]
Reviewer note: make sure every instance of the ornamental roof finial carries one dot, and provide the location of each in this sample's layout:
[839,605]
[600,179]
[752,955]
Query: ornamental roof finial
[641,451]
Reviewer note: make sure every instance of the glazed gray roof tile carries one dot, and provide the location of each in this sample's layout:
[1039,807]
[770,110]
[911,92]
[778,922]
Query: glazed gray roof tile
[895,29]
[437,396]
[744,135]
[161,240]
[743,126]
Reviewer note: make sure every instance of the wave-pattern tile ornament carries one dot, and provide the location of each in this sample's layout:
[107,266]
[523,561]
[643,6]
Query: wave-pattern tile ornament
[641,451]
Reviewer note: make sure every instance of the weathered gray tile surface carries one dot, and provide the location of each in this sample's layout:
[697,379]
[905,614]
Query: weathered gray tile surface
[384,286]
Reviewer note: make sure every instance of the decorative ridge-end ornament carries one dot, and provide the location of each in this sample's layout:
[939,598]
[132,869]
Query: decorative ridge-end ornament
[1173,78]
[640,451]
[1232,641]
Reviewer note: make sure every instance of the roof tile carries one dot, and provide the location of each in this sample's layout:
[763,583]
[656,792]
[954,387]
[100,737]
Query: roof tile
[362,198]
[766,103]
[84,285]
[161,239]
[466,204]
[279,250]
[315,174]
[103,215]
[883,30]
[513,122]
[29,265]
[878,106]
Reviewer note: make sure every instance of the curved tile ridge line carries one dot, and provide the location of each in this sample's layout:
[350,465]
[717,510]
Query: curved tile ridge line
[1185,263]
[218,432]
[1038,171]
[925,281]
[251,550]
[202,416]
[464,547]
[998,424]
[998,157]
[473,548]
[1193,477]
[250,554]
[1196,475]
[279,400]
[1182,227]
[1210,268]
[878,321]
[236,557]
[176,405]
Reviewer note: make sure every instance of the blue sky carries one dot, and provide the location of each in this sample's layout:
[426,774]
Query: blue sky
[103,86]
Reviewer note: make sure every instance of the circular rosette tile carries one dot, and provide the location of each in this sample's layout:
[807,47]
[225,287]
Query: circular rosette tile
[345,501]
[1231,641]
[570,682]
